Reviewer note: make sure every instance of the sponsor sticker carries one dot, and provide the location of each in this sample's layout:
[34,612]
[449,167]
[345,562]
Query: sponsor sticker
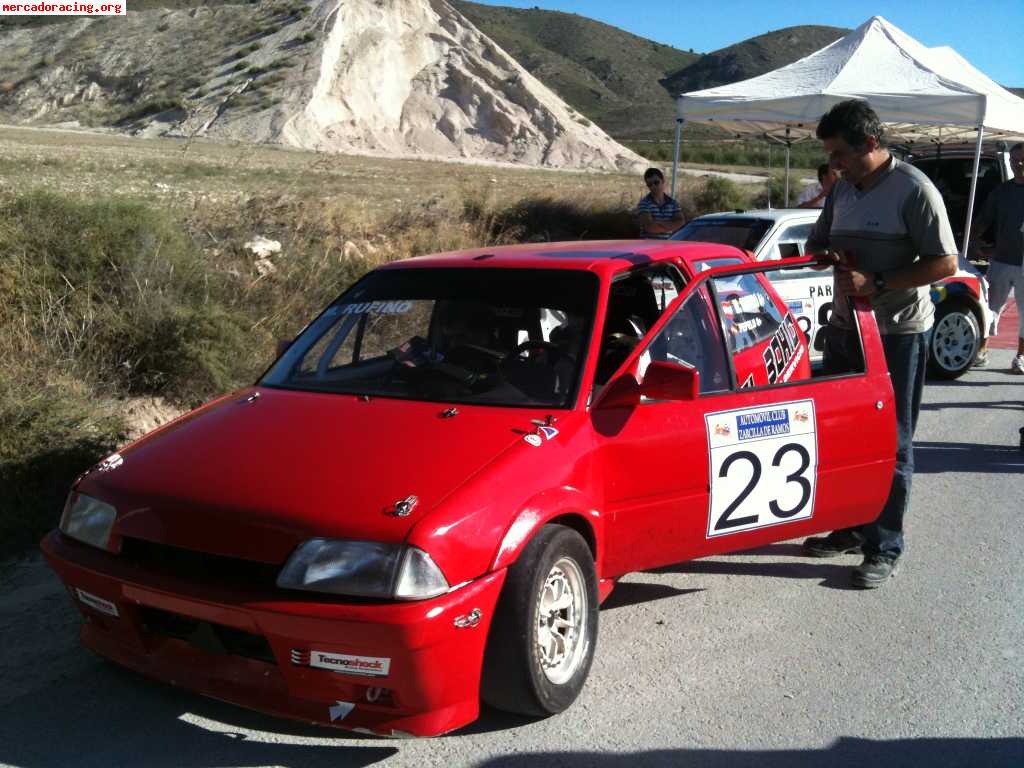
[377,308]
[533,440]
[113,461]
[371,666]
[548,432]
[97,603]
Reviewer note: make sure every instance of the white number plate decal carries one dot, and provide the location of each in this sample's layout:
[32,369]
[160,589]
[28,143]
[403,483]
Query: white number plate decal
[763,466]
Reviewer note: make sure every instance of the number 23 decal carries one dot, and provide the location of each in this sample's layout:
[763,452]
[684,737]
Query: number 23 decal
[763,466]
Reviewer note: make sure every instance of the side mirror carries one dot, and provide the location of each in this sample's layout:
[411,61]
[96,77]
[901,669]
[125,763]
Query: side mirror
[668,381]
[282,346]
[624,392]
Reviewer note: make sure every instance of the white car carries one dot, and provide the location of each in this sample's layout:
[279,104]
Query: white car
[769,234]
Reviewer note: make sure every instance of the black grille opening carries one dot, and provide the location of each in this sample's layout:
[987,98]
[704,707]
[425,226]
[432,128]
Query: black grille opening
[215,570]
[207,636]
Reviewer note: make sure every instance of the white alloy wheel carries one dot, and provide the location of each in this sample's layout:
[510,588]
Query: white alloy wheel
[955,341]
[561,621]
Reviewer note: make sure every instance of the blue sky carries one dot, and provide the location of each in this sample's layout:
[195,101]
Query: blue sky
[990,35]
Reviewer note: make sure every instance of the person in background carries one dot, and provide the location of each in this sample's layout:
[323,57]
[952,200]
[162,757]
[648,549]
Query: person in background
[813,196]
[659,214]
[886,224]
[1004,212]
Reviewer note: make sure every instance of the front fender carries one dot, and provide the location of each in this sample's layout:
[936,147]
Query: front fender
[578,510]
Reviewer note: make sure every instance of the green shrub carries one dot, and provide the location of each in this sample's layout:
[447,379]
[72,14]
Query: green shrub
[774,191]
[719,194]
[118,291]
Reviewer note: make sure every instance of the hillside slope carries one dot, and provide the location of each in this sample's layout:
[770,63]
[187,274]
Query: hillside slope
[752,57]
[402,78]
[609,75]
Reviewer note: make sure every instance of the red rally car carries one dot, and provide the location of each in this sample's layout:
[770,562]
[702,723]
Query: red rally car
[425,499]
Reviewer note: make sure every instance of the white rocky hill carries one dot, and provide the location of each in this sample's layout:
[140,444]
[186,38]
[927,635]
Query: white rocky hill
[395,77]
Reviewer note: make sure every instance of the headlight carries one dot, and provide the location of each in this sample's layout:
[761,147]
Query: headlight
[363,569]
[87,519]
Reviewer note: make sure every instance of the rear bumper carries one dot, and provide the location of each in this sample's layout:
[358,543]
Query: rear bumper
[424,671]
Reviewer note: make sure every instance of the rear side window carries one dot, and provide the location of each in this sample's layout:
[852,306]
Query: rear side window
[791,241]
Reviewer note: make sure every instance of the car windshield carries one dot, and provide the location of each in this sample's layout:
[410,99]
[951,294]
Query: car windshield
[740,233]
[493,336]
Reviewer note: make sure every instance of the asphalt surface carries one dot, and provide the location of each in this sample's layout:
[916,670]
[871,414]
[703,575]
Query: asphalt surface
[765,658]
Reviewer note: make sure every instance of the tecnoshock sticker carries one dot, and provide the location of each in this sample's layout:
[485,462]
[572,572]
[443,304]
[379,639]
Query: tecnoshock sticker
[763,465]
[372,666]
[97,603]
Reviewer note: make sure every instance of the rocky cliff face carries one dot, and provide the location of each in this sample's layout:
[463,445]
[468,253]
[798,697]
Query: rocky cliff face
[396,77]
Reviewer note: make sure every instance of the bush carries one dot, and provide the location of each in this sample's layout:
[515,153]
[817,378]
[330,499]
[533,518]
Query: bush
[115,293]
[719,194]
[774,191]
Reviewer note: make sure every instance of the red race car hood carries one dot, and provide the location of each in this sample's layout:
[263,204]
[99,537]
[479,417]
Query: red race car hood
[255,474]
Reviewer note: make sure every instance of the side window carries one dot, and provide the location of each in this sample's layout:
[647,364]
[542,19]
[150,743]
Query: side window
[692,337]
[791,241]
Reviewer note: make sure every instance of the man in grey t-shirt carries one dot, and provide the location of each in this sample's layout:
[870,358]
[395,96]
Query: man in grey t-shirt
[887,225]
[1004,209]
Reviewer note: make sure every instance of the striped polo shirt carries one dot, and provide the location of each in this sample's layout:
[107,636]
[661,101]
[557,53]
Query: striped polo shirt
[664,212]
[899,220]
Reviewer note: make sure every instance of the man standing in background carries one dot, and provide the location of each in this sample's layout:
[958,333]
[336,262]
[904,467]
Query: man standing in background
[887,226]
[1004,211]
[814,195]
[659,214]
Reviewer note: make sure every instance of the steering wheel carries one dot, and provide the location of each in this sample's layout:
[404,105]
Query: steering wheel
[528,347]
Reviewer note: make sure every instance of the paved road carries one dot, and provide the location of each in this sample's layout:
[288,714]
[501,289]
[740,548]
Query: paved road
[763,659]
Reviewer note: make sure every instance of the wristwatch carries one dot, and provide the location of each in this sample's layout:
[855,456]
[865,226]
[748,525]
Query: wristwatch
[879,281]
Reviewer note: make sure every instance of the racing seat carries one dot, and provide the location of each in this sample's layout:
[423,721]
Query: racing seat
[632,310]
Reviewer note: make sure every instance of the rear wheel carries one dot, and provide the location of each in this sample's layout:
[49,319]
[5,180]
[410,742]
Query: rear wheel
[542,638]
[956,339]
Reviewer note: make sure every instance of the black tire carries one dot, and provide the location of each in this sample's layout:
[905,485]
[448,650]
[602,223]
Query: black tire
[949,355]
[514,677]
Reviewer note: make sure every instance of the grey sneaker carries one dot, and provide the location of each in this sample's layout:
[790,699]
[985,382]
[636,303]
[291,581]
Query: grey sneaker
[1017,366]
[836,543]
[873,572]
[980,359]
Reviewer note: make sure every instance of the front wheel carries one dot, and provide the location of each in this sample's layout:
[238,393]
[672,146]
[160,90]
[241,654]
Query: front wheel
[956,339]
[542,638]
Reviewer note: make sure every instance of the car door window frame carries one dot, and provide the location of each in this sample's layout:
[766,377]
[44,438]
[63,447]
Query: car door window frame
[859,308]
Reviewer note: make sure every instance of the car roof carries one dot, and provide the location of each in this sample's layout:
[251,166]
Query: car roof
[606,257]
[773,214]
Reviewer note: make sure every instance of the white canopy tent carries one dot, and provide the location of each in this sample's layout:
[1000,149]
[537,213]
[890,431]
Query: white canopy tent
[922,95]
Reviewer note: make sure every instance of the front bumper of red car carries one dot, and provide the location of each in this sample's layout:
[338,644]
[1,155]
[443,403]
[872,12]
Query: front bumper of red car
[394,669]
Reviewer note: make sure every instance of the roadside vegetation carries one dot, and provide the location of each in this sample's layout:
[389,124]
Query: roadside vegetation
[125,275]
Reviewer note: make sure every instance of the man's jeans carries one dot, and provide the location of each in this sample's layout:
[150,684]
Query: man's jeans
[907,357]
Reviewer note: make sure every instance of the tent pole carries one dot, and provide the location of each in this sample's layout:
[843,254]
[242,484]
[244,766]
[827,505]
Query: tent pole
[788,143]
[675,157]
[970,199]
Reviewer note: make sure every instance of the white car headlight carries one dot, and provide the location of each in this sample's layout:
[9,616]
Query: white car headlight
[363,569]
[87,519]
